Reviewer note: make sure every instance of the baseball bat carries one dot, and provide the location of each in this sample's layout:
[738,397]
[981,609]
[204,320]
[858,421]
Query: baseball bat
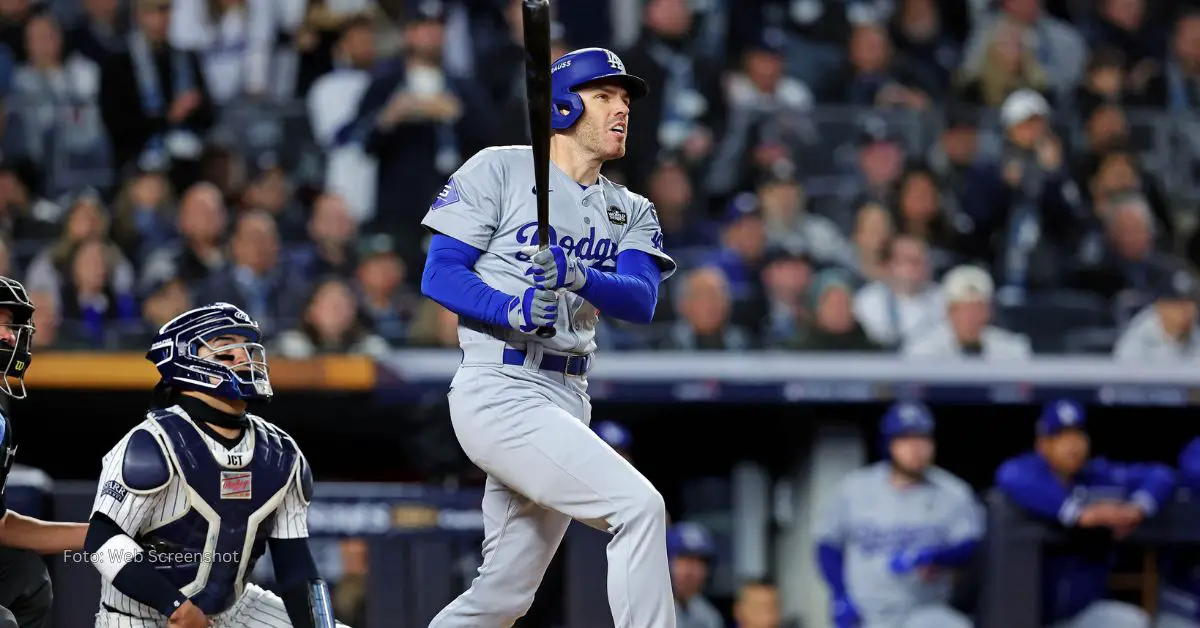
[535,16]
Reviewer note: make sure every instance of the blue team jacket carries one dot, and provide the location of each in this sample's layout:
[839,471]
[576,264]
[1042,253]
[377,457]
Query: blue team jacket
[1182,572]
[1074,577]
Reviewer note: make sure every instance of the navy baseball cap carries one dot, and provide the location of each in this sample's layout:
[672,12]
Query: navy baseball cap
[1061,415]
[907,418]
[1174,284]
[742,205]
[689,539]
[615,434]
[875,131]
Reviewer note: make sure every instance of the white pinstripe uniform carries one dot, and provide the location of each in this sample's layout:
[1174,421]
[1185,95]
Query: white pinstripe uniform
[139,512]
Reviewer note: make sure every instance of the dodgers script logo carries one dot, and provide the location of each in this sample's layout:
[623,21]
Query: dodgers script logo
[876,539]
[602,252]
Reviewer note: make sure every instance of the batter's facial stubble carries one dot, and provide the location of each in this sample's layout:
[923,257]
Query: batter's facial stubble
[604,105]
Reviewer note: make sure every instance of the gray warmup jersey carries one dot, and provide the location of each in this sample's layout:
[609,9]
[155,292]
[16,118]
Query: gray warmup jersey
[490,204]
[871,520]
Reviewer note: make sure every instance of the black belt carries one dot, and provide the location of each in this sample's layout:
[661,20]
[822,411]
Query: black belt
[565,364]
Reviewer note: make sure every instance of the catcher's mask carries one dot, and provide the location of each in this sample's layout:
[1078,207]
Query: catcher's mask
[16,336]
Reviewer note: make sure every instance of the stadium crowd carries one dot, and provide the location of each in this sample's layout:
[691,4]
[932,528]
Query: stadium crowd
[931,177]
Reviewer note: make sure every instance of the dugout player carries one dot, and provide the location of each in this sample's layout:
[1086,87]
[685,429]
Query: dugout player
[892,534]
[690,548]
[1179,606]
[519,402]
[26,595]
[1058,483]
[191,498]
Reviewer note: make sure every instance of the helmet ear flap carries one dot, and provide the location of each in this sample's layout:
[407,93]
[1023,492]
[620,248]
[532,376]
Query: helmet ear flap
[572,103]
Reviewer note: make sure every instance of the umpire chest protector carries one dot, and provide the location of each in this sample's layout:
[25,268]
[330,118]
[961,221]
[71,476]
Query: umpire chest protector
[231,501]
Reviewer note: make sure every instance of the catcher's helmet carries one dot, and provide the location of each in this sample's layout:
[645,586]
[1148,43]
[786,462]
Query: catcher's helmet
[576,69]
[175,352]
[905,418]
[15,352]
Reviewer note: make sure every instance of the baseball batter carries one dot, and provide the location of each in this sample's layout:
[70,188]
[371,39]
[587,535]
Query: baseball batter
[893,532]
[518,403]
[192,497]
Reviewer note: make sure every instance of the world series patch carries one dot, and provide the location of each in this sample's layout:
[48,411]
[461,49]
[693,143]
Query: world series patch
[113,489]
[235,485]
[616,216]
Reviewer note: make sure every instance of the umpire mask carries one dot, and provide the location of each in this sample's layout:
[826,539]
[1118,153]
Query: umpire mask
[16,335]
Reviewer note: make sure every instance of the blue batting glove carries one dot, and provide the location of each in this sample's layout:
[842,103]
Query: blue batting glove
[554,268]
[905,561]
[533,309]
[844,614]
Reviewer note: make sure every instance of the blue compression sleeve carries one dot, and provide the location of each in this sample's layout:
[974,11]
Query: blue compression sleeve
[955,555]
[293,562]
[631,293]
[137,579]
[449,280]
[831,561]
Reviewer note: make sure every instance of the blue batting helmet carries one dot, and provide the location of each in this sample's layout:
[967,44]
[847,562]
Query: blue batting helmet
[905,418]
[576,69]
[176,353]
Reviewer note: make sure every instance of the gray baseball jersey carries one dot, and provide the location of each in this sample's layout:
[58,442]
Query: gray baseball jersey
[872,521]
[490,203]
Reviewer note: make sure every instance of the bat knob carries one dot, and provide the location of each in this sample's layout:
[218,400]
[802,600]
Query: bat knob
[545,332]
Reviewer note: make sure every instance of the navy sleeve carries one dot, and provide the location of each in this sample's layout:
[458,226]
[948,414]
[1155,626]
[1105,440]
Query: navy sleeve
[137,579]
[631,293]
[449,279]
[1027,482]
[293,562]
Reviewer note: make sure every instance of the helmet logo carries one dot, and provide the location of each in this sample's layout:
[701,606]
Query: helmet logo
[615,61]
[562,66]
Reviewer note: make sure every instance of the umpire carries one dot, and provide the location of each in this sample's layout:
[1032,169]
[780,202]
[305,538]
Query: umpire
[26,595]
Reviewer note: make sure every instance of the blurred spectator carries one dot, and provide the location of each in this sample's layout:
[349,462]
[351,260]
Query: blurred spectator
[332,105]
[671,191]
[1174,87]
[1010,65]
[421,125]
[917,33]
[872,230]
[968,331]
[234,40]
[1119,172]
[953,156]
[876,76]
[13,16]
[905,302]
[92,302]
[791,226]
[1104,81]
[496,43]
[350,591]
[690,548]
[1105,127]
[767,123]
[332,235]
[55,98]
[331,324]
[143,218]
[1123,24]
[271,294]
[154,100]
[433,326]
[879,165]
[315,36]
[85,220]
[1055,43]
[743,242]
[921,212]
[757,604]
[199,249]
[1127,261]
[1167,328]
[703,303]
[269,189]
[7,267]
[99,32]
[684,113]
[832,326]
[786,278]
[1025,204]
[164,302]
[47,319]
[386,301]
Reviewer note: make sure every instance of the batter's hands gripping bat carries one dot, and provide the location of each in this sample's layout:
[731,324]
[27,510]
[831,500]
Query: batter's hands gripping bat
[535,15]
